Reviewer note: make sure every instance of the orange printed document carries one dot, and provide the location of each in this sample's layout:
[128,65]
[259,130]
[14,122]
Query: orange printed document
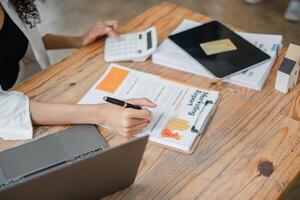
[113,80]
[182,112]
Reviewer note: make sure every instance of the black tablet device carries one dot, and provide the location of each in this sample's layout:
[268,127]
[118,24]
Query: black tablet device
[220,50]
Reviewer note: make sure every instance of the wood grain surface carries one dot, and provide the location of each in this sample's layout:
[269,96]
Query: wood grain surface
[251,149]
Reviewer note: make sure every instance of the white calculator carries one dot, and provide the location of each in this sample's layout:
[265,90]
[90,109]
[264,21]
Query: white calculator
[131,47]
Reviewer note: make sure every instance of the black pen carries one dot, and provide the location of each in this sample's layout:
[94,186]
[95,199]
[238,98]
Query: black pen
[121,103]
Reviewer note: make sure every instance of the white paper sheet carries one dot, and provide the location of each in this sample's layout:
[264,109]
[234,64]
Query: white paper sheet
[179,107]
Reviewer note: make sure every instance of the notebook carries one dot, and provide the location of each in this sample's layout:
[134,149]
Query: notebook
[182,113]
[220,50]
[171,55]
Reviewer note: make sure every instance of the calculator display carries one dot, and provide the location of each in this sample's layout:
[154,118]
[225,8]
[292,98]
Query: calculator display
[149,40]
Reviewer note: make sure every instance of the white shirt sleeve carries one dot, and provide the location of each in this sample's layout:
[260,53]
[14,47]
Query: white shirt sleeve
[15,121]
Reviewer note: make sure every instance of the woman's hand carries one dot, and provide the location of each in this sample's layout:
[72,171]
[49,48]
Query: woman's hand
[98,30]
[126,121]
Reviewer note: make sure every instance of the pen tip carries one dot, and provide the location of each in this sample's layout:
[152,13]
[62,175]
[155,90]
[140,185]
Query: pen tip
[104,98]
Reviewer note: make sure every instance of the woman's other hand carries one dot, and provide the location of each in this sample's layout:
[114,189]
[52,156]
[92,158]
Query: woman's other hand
[98,30]
[126,121]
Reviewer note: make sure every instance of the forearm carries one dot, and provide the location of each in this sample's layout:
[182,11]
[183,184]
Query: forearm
[59,114]
[126,121]
[61,42]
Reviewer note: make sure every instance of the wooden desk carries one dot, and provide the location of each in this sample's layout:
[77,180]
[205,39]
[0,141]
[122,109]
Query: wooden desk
[248,127]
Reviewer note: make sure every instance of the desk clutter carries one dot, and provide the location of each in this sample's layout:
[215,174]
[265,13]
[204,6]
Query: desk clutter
[287,75]
[170,54]
[249,151]
[211,50]
[182,112]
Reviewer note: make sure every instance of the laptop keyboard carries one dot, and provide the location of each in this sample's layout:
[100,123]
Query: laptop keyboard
[14,180]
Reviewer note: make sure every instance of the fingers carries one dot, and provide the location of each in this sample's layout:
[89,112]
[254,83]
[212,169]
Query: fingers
[108,27]
[112,34]
[101,28]
[128,132]
[134,122]
[137,114]
[112,23]
[142,102]
[98,30]
[138,128]
[128,121]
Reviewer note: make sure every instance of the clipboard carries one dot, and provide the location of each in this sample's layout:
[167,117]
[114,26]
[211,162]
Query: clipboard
[198,138]
[183,113]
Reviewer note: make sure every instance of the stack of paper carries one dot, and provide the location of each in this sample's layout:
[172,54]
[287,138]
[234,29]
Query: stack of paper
[171,55]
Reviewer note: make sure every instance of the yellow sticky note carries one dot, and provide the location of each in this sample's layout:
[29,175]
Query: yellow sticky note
[178,124]
[218,46]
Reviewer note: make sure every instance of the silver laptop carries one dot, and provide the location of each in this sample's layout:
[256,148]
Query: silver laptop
[74,164]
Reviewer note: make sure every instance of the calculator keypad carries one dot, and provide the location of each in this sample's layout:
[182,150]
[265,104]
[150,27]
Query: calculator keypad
[132,46]
[127,45]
